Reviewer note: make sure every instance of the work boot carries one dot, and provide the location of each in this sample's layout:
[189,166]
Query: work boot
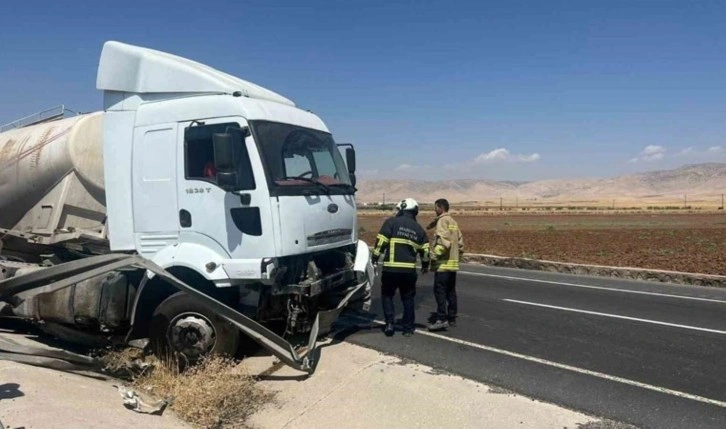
[388,330]
[452,322]
[439,325]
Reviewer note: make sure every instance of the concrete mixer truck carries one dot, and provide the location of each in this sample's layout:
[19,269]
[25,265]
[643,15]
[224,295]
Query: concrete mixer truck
[196,207]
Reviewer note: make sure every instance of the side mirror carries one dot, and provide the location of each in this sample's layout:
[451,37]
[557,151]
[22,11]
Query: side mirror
[227,180]
[225,160]
[350,160]
[224,149]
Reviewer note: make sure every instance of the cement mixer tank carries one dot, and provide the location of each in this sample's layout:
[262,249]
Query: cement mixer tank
[52,180]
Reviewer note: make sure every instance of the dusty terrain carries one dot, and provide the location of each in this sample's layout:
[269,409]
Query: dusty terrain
[699,185]
[686,242]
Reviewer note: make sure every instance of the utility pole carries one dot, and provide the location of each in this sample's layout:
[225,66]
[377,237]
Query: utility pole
[384,198]
[501,204]
[685,201]
[722,207]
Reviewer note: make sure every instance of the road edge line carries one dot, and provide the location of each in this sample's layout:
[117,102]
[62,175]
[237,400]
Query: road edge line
[632,273]
[553,282]
[575,369]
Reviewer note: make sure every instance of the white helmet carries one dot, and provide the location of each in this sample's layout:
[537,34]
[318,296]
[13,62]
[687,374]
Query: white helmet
[408,204]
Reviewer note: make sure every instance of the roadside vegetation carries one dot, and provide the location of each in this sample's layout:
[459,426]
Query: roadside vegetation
[217,393]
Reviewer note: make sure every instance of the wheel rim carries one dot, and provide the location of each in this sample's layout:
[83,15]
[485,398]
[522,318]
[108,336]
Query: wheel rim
[192,334]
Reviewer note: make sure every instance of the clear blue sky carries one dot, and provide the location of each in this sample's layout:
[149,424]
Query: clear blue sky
[501,90]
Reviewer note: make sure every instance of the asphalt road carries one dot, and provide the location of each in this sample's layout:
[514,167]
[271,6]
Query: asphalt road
[643,353]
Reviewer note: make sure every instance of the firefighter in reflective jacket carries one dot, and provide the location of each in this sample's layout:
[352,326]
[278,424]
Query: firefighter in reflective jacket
[400,240]
[447,249]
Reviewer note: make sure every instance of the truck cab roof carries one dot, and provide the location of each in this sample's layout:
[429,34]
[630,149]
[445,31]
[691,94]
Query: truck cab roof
[133,69]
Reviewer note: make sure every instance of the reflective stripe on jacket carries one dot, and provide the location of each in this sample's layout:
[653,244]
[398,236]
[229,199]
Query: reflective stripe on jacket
[400,240]
[448,245]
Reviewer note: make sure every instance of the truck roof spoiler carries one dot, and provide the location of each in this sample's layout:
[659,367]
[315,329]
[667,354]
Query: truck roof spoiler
[134,69]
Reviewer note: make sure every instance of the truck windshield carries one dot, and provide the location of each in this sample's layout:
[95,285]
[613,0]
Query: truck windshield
[297,156]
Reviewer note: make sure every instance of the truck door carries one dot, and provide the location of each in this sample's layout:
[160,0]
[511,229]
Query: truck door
[236,222]
[154,193]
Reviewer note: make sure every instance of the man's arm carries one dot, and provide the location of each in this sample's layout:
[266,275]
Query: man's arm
[442,240]
[424,251]
[382,240]
[432,224]
[461,243]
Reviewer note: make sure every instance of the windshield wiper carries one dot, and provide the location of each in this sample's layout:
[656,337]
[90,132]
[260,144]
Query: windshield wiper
[344,185]
[310,180]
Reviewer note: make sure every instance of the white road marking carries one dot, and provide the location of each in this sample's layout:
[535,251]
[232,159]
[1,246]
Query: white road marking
[617,316]
[720,301]
[569,368]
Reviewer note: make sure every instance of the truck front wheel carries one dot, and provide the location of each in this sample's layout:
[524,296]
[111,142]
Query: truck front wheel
[181,327]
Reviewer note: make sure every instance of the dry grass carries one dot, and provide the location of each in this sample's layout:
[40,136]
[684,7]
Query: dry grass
[127,363]
[216,393]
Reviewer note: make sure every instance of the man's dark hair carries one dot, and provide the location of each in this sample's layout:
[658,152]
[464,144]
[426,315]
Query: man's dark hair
[441,202]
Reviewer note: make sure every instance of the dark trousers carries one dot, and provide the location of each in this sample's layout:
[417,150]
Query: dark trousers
[405,282]
[445,293]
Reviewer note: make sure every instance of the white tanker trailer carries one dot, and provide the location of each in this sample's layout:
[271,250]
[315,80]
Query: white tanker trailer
[52,181]
[194,206]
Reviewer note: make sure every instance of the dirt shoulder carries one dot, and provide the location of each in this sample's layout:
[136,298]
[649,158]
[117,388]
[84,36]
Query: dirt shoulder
[32,397]
[355,387]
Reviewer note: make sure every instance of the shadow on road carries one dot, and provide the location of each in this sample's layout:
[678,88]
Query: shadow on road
[32,332]
[10,391]
[344,327]
[366,323]
[25,343]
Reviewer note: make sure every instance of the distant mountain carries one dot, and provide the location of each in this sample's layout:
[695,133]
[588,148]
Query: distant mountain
[692,180]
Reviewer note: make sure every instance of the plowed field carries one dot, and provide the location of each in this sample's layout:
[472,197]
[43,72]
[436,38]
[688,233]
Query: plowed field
[680,242]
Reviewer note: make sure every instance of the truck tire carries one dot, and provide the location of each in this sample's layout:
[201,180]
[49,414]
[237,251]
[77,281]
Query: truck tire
[184,329]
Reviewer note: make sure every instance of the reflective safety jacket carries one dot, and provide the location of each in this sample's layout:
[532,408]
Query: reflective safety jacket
[448,245]
[401,239]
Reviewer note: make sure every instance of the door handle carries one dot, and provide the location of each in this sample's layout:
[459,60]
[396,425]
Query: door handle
[185,218]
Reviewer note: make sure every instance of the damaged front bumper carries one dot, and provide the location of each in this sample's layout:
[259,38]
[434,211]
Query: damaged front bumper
[65,275]
[355,273]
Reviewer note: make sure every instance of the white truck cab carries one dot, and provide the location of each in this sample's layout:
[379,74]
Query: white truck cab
[227,185]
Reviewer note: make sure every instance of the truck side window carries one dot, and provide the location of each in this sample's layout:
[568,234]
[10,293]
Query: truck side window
[199,155]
